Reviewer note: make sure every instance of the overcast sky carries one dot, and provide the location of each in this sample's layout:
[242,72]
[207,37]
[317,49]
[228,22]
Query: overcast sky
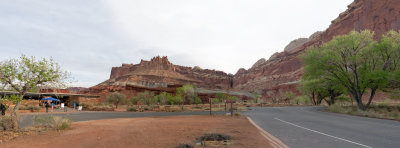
[88,37]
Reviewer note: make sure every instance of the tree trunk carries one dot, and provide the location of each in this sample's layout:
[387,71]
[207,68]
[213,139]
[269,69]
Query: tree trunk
[313,98]
[360,105]
[358,99]
[16,107]
[373,90]
[14,113]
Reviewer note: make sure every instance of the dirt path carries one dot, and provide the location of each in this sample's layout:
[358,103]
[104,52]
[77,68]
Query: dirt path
[146,132]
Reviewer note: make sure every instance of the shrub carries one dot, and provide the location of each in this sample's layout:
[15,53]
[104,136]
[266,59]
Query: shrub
[50,121]
[237,114]
[336,108]
[86,106]
[30,107]
[65,124]
[7,123]
[394,114]
[131,109]
[183,145]
[47,121]
[97,107]
[147,108]
[215,137]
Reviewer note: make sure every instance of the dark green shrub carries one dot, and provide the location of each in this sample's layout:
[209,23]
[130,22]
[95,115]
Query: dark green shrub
[215,137]
[131,109]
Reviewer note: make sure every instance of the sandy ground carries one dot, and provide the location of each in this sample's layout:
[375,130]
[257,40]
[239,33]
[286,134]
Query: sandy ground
[149,132]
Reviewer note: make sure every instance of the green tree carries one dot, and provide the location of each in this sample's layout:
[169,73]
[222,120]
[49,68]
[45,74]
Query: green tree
[27,74]
[146,97]
[197,100]
[356,62]
[116,98]
[232,98]
[187,92]
[220,96]
[162,98]
[175,100]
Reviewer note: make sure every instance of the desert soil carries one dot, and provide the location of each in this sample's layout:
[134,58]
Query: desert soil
[147,132]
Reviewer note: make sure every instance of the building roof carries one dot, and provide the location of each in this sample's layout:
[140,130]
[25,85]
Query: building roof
[29,94]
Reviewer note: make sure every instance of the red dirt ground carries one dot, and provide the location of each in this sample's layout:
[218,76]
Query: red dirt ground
[146,133]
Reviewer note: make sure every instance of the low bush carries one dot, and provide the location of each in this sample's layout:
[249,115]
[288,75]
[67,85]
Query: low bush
[381,110]
[7,123]
[97,107]
[30,107]
[53,122]
[131,109]
[237,114]
[65,124]
[215,137]
[336,108]
[148,108]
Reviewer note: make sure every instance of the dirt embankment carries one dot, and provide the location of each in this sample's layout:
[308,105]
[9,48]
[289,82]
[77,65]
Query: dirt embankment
[146,133]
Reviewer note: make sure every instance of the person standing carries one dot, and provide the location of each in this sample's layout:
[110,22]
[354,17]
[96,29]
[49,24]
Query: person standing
[46,104]
[3,109]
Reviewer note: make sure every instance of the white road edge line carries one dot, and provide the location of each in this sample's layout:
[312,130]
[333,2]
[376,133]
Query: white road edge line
[275,142]
[322,133]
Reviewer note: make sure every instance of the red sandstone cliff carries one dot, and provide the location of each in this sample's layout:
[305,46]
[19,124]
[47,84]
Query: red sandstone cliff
[279,73]
[283,70]
[159,72]
[158,75]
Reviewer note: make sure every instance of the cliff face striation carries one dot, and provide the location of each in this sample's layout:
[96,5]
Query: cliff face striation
[283,70]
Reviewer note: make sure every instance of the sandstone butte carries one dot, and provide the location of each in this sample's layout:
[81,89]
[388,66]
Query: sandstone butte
[280,73]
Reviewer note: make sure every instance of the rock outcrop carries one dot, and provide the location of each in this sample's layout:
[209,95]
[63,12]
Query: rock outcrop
[259,62]
[283,70]
[159,74]
[295,44]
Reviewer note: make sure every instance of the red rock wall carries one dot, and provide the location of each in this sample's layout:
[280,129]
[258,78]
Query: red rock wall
[160,70]
[286,68]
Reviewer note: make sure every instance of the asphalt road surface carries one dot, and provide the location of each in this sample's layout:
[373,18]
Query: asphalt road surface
[26,120]
[307,127]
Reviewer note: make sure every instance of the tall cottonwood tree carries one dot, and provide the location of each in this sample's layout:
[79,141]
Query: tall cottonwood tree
[357,63]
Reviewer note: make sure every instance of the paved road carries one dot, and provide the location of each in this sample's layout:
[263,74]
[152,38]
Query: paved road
[26,120]
[307,127]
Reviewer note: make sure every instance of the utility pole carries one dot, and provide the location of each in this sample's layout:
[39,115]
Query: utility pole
[210,106]
[231,109]
[225,105]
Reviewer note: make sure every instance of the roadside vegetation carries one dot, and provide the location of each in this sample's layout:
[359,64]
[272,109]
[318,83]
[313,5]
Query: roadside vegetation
[350,67]
[185,99]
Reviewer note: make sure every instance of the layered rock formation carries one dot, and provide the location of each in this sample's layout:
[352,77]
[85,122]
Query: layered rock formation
[159,72]
[159,75]
[283,70]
